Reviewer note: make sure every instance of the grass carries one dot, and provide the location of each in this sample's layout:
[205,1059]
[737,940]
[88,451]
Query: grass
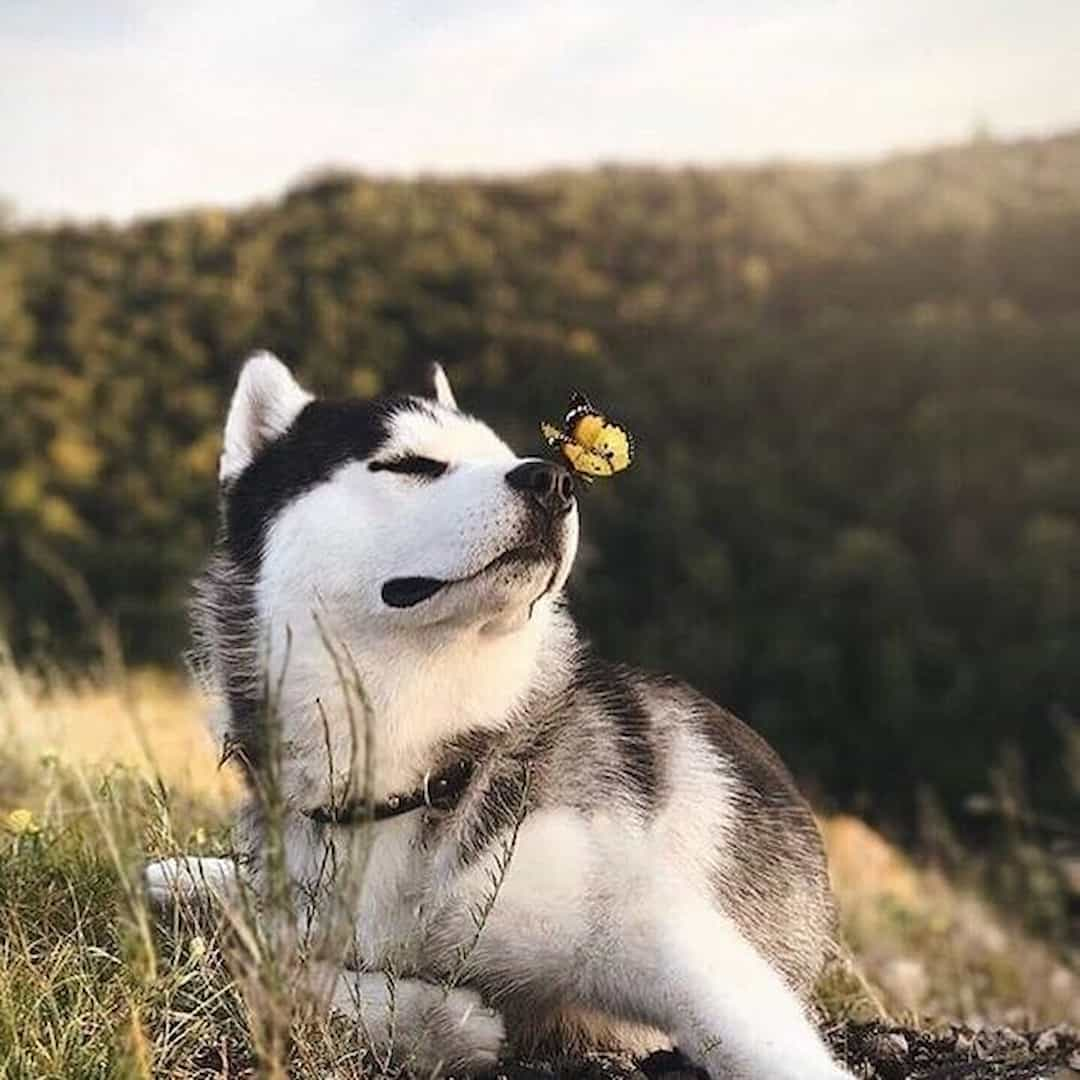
[933,946]
[96,777]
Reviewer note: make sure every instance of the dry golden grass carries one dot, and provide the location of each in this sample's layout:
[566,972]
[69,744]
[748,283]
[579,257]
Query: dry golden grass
[154,724]
[931,947]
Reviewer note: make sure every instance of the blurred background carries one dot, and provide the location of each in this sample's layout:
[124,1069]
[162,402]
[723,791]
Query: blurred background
[822,258]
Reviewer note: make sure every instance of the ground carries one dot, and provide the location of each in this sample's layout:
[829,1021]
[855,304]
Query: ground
[895,1053]
[872,1051]
[94,778]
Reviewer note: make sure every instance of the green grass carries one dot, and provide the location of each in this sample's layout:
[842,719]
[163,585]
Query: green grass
[88,987]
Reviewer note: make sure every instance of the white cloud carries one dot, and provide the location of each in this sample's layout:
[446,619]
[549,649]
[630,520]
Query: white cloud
[172,104]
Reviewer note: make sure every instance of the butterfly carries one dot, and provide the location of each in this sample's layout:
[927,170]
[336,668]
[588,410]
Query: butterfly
[592,445]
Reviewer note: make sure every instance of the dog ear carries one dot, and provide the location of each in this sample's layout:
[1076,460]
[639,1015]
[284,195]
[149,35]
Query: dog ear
[440,387]
[426,381]
[266,401]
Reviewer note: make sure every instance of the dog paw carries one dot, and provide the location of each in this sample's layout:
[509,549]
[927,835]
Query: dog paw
[466,1035]
[188,880]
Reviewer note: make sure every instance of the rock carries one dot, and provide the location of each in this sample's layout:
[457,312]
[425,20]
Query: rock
[1049,1040]
[964,1041]
[888,1052]
[1000,1044]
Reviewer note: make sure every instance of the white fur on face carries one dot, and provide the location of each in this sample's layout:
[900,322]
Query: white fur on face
[337,545]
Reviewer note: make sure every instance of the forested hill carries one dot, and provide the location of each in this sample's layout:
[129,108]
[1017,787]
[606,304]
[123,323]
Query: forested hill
[855,514]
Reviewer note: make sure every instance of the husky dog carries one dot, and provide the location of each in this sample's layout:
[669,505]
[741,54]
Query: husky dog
[540,846]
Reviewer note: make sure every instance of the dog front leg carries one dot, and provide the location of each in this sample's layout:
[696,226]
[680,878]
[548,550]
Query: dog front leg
[429,1029]
[724,1005]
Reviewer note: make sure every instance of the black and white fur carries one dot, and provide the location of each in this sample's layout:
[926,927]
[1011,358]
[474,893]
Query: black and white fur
[644,869]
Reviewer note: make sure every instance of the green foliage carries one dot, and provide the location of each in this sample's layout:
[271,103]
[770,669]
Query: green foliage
[855,511]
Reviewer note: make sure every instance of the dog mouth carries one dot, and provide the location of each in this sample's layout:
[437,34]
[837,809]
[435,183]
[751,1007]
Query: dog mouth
[407,592]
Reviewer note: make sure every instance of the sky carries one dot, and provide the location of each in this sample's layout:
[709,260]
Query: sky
[118,108]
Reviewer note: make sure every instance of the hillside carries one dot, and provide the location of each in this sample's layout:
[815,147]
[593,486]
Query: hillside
[855,516]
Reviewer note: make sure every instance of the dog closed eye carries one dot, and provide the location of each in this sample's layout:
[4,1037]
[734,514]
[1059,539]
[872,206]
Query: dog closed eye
[411,465]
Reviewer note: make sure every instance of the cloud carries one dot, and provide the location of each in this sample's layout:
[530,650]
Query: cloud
[154,105]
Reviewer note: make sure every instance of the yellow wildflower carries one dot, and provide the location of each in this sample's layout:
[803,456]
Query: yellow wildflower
[21,822]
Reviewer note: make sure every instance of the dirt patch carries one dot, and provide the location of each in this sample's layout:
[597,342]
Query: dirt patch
[878,1052]
[872,1052]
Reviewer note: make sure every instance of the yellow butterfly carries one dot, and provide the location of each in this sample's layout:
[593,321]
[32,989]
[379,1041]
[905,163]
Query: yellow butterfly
[592,445]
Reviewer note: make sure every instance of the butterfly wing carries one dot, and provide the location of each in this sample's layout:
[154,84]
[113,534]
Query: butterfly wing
[552,435]
[585,462]
[591,444]
[617,447]
[605,441]
[578,407]
[587,428]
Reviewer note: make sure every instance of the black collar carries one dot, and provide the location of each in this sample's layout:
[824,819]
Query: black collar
[441,791]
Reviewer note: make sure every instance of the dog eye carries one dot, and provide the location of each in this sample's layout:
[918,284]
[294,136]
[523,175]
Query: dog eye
[411,465]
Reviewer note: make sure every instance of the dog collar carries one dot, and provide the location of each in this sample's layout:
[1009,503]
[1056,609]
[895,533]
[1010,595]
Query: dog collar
[441,791]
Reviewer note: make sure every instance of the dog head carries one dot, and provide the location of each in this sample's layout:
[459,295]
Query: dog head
[396,547]
[398,515]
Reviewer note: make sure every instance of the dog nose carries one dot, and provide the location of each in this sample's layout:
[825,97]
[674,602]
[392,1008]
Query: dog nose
[549,484]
